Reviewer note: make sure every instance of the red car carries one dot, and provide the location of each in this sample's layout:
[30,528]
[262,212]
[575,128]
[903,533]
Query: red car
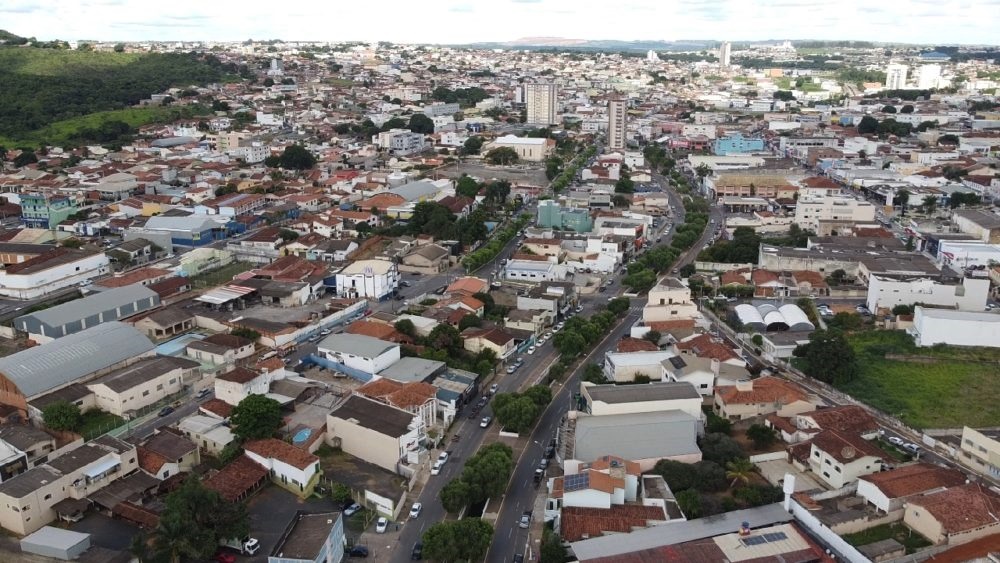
[223,557]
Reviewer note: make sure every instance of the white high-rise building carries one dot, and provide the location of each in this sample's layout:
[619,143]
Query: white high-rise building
[541,100]
[929,77]
[652,57]
[616,124]
[725,52]
[895,76]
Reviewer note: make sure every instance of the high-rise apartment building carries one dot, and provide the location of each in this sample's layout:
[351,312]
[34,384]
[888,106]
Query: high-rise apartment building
[540,98]
[616,123]
[725,52]
[929,77]
[895,76]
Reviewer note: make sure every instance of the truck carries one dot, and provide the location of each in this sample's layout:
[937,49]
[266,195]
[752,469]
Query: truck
[246,546]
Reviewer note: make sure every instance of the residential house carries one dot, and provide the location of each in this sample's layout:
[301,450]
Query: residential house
[839,458]
[165,323]
[165,453]
[290,467]
[416,397]
[209,433]
[35,443]
[760,397]
[239,383]
[429,259]
[980,452]
[33,499]
[375,432]
[534,320]
[501,341]
[954,516]
[623,367]
[888,491]
[129,390]
[220,349]
[703,373]
[652,436]
[670,300]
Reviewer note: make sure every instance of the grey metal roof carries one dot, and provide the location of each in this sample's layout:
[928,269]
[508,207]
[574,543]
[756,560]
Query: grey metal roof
[374,415]
[92,305]
[28,482]
[57,538]
[356,344]
[190,223]
[141,372]
[636,436]
[659,391]
[679,532]
[411,369]
[415,190]
[46,367]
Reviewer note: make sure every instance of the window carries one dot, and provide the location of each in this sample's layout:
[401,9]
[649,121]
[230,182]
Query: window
[837,469]
[47,497]
[816,454]
[145,393]
[159,387]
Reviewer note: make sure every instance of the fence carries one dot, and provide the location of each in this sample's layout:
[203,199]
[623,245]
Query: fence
[770,456]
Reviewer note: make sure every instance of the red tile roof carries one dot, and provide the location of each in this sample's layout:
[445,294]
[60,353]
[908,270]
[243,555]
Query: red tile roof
[579,522]
[846,448]
[636,345]
[217,407]
[913,479]
[132,277]
[150,461]
[282,451]
[236,479]
[962,508]
[767,389]
[849,419]
[239,375]
[972,551]
[705,346]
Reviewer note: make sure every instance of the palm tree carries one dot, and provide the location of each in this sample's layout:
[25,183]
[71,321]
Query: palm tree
[740,469]
[174,540]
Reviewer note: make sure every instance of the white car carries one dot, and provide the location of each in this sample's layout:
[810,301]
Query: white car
[443,457]
[437,468]
[496,387]
[541,340]
[531,350]
[381,525]
[415,510]
[560,325]
[547,335]
[485,422]
[511,369]
[895,441]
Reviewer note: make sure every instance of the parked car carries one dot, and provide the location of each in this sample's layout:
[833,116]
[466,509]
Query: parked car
[485,422]
[531,349]
[525,520]
[550,452]
[415,510]
[405,283]
[203,393]
[437,468]
[358,551]
[494,388]
[896,441]
[913,448]
[544,463]
[223,557]
[418,551]
[352,509]
[165,411]
[443,457]
[381,525]
[511,369]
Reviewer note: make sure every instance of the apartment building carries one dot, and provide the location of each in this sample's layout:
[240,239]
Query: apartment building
[980,452]
[616,123]
[540,99]
[810,210]
[44,211]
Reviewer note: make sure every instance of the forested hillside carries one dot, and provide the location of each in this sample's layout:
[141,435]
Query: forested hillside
[43,86]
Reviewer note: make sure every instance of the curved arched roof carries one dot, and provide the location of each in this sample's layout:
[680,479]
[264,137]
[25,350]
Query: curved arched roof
[749,316]
[795,318]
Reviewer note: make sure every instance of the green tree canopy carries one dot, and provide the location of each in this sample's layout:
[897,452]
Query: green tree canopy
[761,436]
[473,145]
[420,123]
[193,522]
[828,357]
[257,416]
[502,156]
[62,415]
[297,157]
[867,125]
[458,540]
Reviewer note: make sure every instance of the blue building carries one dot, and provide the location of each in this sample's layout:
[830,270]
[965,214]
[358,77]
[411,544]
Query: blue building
[552,216]
[737,144]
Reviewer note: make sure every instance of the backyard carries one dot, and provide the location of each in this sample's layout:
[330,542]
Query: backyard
[222,275]
[935,387]
[912,540]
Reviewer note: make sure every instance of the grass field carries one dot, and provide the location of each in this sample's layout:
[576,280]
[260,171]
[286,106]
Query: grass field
[340,82]
[60,132]
[51,62]
[96,422]
[946,387]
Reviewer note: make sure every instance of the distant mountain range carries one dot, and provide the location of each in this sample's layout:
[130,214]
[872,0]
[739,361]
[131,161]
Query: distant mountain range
[599,44]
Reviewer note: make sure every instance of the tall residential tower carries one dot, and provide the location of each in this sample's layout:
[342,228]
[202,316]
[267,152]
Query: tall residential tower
[895,76]
[616,123]
[540,98]
[725,52]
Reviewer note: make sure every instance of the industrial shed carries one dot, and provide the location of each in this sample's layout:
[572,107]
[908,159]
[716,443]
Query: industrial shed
[771,318]
[56,543]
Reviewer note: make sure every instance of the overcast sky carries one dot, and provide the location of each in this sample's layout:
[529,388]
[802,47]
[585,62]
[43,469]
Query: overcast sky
[460,21]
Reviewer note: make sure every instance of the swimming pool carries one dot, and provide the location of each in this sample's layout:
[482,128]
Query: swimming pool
[301,436]
[177,345]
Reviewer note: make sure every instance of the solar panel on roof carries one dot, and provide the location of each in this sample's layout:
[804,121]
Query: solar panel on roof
[754,540]
[775,536]
[576,482]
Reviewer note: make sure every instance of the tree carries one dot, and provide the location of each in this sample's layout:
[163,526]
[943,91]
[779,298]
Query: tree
[593,374]
[268,82]
[930,204]
[620,201]
[888,109]
[828,357]
[687,270]
[488,472]
[741,470]
[947,139]
[640,281]
[907,108]
[272,161]
[247,333]
[62,416]
[619,305]
[902,198]
[469,321]
[193,522]
[455,540]
[718,425]
[502,156]
[624,185]
[868,125]
[454,496]
[689,501]
[472,145]
[541,395]
[71,243]
[24,159]
[569,343]
[552,550]
[762,436]
[420,123]
[719,448]
[517,414]
[288,235]
[257,416]
[784,95]
[653,336]
[297,157]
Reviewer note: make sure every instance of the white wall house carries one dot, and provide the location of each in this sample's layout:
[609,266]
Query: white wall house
[52,271]
[357,351]
[958,328]
[371,279]
[669,301]
[289,466]
[968,295]
[625,366]
[239,383]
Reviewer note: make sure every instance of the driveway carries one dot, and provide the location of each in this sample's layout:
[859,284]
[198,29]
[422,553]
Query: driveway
[774,472]
[271,509]
[106,531]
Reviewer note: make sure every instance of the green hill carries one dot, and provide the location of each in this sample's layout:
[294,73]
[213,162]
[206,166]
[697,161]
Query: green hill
[8,37]
[44,86]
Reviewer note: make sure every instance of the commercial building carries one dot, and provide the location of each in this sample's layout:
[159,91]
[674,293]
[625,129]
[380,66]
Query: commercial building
[144,383]
[957,328]
[80,314]
[736,144]
[669,300]
[928,77]
[810,210]
[400,142]
[603,400]
[552,216]
[895,76]
[652,436]
[616,123]
[375,432]
[531,149]
[541,103]
[980,452]
[371,279]
[51,271]
[31,373]
[43,211]
[359,352]
[967,294]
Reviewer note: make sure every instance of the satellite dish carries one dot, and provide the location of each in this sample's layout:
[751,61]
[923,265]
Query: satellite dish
[848,452]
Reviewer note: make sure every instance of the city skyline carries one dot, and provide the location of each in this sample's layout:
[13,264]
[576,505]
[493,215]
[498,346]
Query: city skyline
[462,21]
